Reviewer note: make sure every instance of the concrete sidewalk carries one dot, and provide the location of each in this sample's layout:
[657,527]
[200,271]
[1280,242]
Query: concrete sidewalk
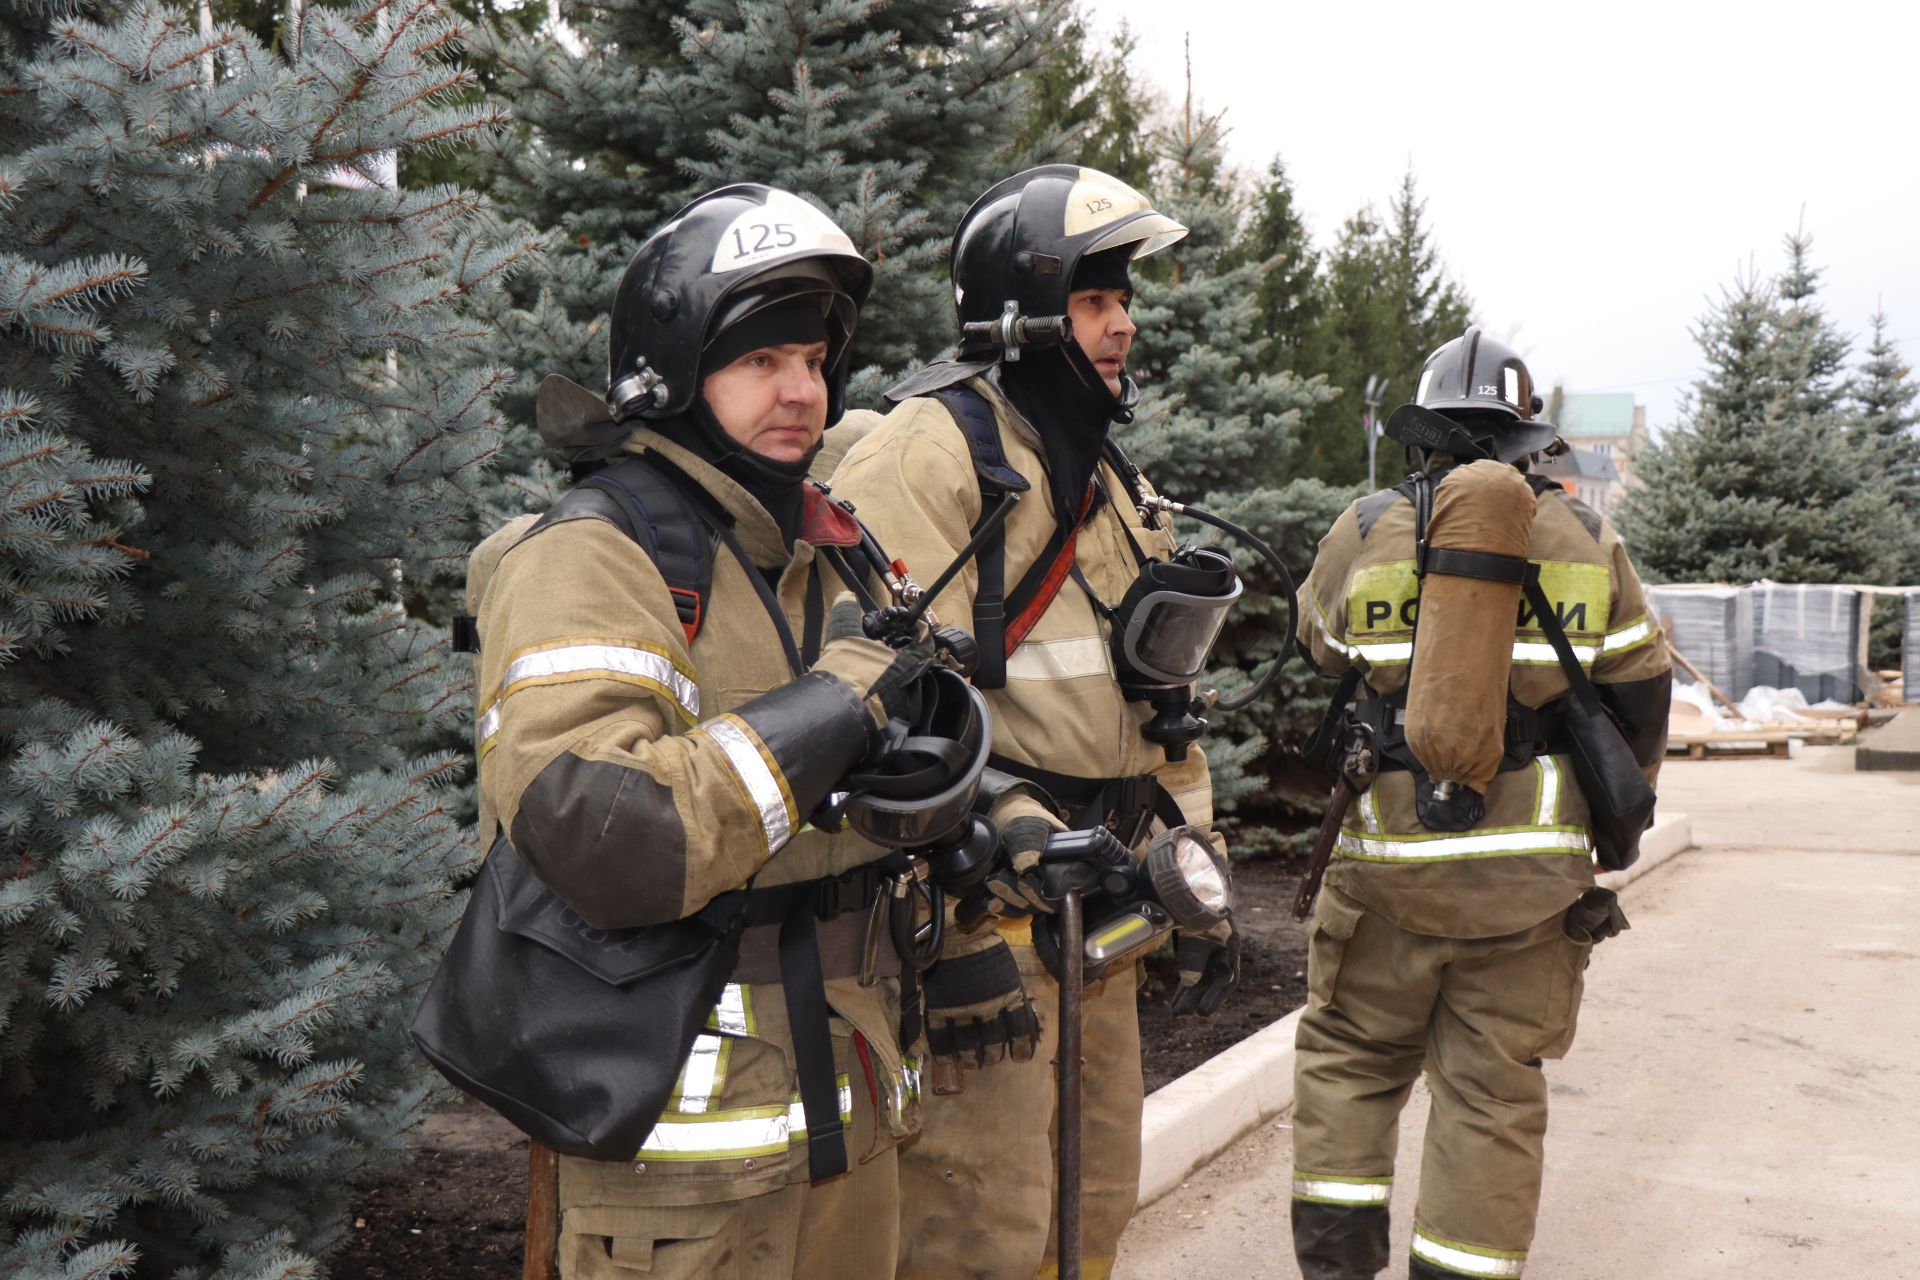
[1744,1096]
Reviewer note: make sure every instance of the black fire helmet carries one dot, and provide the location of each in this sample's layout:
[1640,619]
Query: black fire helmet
[729,254]
[1022,240]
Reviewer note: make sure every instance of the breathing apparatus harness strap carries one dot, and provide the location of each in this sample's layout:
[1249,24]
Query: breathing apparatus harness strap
[1530,731]
[1001,621]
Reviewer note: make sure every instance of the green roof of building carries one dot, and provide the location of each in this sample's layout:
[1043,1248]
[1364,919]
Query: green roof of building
[1596,414]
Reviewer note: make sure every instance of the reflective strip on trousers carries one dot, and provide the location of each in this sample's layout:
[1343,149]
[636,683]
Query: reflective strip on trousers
[1547,806]
[733,1015]
[736,1134]
[762,785]
[703,1076]
[1498,842]
[910,1078]
[1321,1188]
[1466,1259]
[1370,812]
[595,660]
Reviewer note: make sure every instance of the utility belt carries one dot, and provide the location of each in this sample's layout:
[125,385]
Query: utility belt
[840,906]
[1123,806]
[1531,732]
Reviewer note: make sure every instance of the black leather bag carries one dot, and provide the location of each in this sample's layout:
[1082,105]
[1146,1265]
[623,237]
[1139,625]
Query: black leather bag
[1619,801]
[574,1034]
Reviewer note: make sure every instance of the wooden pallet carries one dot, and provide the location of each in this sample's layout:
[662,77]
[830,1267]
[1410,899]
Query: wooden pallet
[1771,742]
[1730,744]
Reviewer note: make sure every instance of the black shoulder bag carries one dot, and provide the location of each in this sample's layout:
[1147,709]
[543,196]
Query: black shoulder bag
[1619,801]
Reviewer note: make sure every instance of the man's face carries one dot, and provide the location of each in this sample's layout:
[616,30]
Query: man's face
[1103,330]
[772,401]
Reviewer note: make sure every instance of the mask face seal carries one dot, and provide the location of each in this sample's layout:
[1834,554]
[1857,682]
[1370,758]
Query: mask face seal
[1164,631]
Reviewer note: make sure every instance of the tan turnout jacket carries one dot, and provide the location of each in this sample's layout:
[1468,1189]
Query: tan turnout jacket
[1531,856]
[913,483]
[608,757]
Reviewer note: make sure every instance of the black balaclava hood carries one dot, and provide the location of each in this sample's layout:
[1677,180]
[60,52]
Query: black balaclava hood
[1063,396]
[774,484]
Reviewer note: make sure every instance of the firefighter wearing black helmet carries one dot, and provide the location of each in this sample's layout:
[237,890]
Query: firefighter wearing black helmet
[673,679]
[1027,408]
[1453,929]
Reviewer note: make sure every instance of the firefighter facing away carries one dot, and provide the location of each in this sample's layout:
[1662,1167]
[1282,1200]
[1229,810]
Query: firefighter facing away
[1020,411]
[1459,909]
[678,679]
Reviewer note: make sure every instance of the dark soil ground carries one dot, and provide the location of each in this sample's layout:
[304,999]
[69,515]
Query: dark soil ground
[456,1212]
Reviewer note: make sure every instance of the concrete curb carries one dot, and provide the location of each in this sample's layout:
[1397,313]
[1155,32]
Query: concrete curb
[1190,1121]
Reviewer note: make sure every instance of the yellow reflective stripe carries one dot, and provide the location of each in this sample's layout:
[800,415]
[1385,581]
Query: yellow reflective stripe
[1331,1189]
[1546,806]
[1467,1259]
[758,776]
[1497,842]
[1382,600]
[1631,636]
[737,1133]
[910,1077]
[1060,659]
[1581,593]
[702,1076]
[733,1015]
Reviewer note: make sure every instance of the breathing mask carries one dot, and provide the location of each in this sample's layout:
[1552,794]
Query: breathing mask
[1165,628]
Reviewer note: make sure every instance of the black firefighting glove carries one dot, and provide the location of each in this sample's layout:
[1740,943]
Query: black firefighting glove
[977,1007]
[1012,889]
[886,679]
[1596,917]
[1209,968]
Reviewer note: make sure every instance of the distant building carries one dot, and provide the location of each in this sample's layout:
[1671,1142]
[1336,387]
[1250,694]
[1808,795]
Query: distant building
[1607,430]
[1591,476]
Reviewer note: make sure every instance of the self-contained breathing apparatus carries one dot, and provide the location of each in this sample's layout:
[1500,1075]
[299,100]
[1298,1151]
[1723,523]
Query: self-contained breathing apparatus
[1482,425]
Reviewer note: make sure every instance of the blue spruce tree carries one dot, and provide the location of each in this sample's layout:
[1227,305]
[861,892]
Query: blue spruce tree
[1217,430]
[1761,478]
[890,116]
[233,445]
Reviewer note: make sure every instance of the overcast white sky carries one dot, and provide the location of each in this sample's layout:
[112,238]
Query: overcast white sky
[1594,172]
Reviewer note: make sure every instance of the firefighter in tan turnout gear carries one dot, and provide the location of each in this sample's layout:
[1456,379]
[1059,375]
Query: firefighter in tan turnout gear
[1020,412]
[1457,915]
[675,679]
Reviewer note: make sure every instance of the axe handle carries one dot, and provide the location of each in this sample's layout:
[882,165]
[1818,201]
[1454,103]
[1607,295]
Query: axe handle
[1322,853]
[1072,971]
[543,1213]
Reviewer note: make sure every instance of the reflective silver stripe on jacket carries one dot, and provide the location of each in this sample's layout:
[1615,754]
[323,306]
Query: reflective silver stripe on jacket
[1060,659]
[1495,843]
[1466,1259]
[1631,636]
[593,660]
[768,796]
[1327,1189]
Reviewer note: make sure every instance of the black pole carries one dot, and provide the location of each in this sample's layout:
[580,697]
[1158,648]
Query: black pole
[1067,1068]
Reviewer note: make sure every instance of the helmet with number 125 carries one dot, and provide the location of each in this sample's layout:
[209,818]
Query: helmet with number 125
[730,253]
